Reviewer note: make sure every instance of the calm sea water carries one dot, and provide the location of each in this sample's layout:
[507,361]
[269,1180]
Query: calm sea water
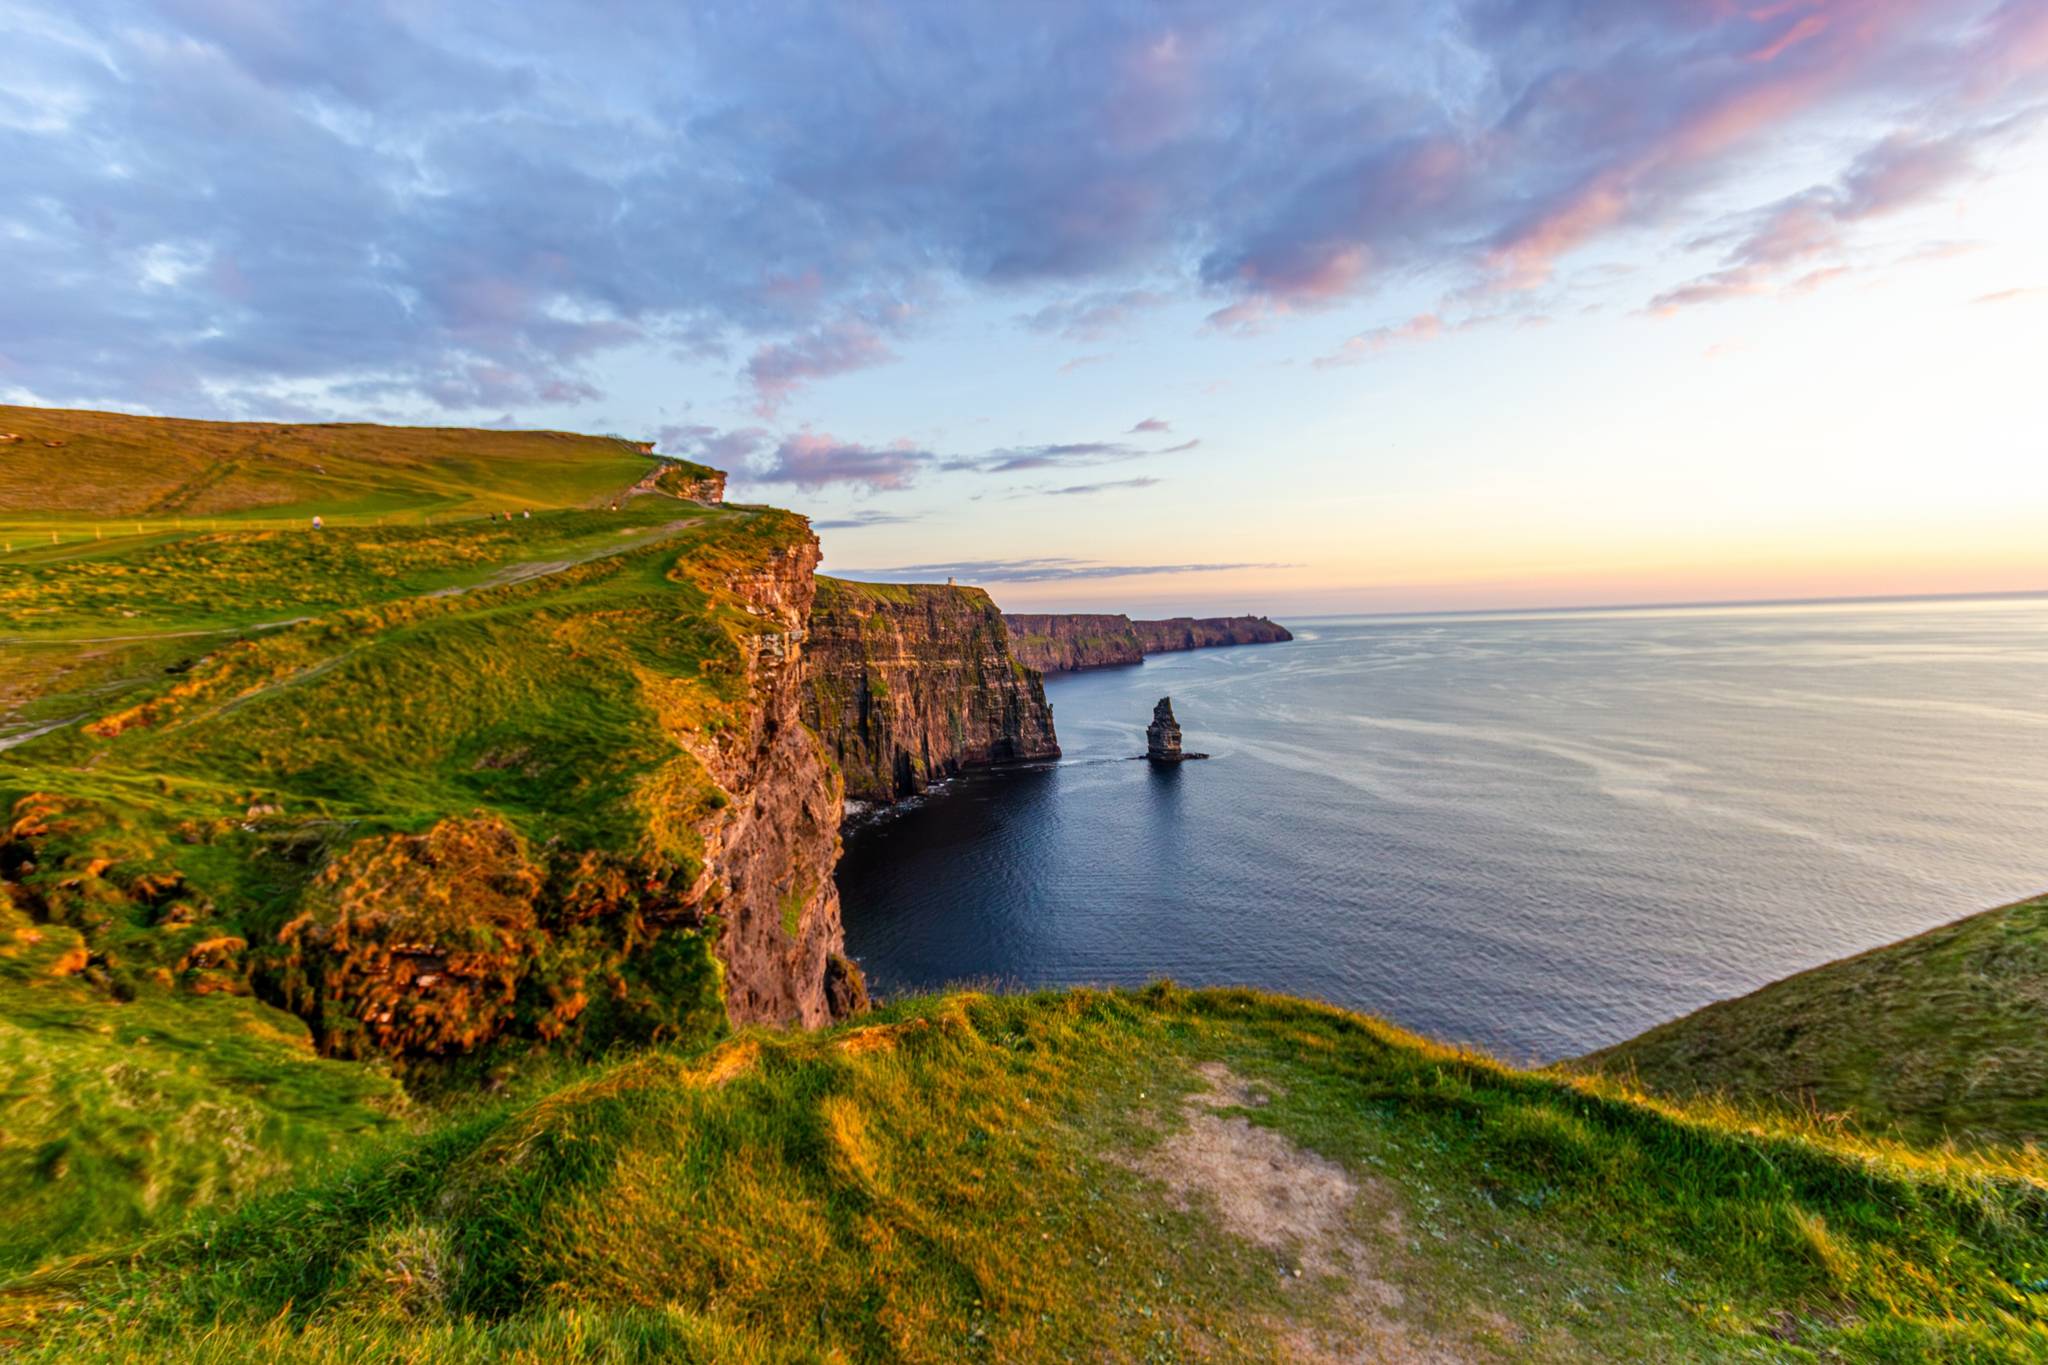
[1539,834]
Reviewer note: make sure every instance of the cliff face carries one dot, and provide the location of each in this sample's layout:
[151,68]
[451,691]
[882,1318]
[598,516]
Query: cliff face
[774,851]
[910,683]
[1066,643]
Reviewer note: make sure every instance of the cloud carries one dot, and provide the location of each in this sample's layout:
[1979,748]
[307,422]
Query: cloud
[1076,490]
[1421,327]
[1095,315]
[470,207]
[1071,455]
[777,370]
[861,520]
[1083,361]
[1150,424]
[1897,173]
[1054,569]
[2008,295]
[812,460]
[722,449]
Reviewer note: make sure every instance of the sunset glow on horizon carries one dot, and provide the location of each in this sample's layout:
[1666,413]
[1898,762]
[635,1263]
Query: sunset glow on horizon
[1442,305]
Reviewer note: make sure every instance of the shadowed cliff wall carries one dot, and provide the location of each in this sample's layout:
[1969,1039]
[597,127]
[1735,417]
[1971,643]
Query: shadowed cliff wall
[909,683]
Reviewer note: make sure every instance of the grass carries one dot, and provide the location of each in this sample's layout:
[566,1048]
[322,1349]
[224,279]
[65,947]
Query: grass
[245,773]
[974,1177]
[122,1118]
[73,469]
[290,741]
[1940,1037]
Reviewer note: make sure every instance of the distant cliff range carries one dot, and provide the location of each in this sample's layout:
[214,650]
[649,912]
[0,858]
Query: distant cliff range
[1066,644]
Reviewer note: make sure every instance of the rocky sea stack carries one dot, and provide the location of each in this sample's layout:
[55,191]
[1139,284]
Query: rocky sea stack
[1162,736]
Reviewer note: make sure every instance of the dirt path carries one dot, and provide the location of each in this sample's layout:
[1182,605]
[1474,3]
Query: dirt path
[1305,1209]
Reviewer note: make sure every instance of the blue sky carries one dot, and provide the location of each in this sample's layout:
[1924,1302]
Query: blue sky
[1183,306]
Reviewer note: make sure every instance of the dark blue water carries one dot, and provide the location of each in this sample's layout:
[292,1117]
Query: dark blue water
[1539,834]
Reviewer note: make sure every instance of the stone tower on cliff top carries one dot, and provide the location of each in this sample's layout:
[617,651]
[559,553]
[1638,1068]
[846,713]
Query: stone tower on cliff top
[1162,736]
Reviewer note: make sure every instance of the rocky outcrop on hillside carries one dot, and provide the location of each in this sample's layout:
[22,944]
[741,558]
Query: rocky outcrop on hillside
[911,683]
[683,479]
[1070,642]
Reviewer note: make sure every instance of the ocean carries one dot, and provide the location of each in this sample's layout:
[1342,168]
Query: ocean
[1534,833]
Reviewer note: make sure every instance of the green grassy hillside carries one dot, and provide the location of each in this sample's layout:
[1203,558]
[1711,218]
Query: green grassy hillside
[1162,1175]
[64,469]
[251,777]
[1943,1036]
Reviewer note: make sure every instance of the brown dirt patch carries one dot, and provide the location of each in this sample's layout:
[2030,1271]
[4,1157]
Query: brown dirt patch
[1306,1210]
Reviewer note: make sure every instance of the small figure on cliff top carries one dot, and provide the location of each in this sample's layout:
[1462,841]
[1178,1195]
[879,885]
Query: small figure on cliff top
[1162,736]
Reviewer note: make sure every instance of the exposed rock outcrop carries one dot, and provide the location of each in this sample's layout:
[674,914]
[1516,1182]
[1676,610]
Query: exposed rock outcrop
[1068,643]
[911,683]
[683,479]
[1162,736]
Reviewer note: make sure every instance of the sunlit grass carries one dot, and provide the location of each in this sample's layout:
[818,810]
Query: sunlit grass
[963,1179]
[1939,1038]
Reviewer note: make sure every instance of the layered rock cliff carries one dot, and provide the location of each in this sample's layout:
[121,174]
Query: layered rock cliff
[911,683]
[775,847]
[1067,643]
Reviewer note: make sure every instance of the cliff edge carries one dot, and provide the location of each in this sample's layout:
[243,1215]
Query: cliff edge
[1071,642]
[910,683]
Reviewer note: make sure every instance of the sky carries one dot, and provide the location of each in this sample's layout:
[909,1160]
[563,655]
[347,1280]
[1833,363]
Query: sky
[1106,305]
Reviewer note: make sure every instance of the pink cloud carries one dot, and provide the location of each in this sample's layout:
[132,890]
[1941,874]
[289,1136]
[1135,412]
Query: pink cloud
[811,460]
[1806,28]
[779,369]
[1310,277]
[1422,327]
[1151,424]
[1895,174]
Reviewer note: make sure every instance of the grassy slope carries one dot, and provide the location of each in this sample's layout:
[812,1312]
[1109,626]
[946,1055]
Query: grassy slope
[120,1118]
[1009,1178]
[231,709]
[1940,1036]
[78,468]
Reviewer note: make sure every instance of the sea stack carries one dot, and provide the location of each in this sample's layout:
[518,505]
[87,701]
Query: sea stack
[1162,736]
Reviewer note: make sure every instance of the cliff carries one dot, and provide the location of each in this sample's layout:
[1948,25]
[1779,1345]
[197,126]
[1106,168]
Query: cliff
[1067,643]
[909,683]
[437,790]
[1207,632]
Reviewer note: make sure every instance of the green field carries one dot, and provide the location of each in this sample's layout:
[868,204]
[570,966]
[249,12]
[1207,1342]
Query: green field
[72,474]
[1943,1037]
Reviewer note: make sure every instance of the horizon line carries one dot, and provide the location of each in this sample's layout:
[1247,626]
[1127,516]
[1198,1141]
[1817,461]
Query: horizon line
[1697,605]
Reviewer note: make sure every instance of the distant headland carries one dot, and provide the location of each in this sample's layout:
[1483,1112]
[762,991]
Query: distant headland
[1069,643]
